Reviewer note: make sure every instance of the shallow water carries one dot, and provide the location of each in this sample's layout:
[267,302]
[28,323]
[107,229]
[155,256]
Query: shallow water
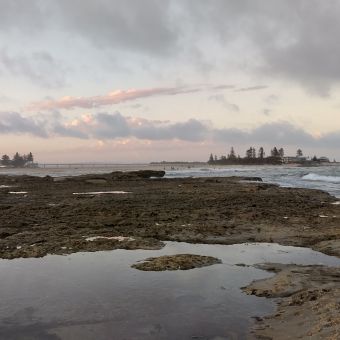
[98,296]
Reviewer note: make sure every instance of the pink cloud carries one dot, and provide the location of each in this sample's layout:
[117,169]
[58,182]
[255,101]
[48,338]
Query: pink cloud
[114,97]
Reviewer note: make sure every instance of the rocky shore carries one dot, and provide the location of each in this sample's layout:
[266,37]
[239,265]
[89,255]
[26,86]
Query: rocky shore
[176,262]
[308,305]
[57,215]
[140,210]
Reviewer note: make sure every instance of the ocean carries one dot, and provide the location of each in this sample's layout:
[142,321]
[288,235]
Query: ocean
[325,177]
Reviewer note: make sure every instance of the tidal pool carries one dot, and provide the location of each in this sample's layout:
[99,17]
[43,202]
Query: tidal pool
[99,296]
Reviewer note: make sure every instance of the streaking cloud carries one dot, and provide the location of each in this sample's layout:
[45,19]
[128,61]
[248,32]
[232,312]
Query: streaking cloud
[115,97]
[120,96]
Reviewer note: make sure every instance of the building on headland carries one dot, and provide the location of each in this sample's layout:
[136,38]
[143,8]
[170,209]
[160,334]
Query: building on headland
[304,160]
[323,159]
[294,159]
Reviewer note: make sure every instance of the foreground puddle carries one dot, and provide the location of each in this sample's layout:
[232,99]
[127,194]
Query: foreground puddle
[99,296]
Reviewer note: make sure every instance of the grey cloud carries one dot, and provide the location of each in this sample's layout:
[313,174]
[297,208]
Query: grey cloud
[191,130]
[111,126]
[15,123]
[293,39]
[115,125]
[103,126]
[222,87]
[66,131]
[221,99]
[332,139]
[281,133]
[39,67]
[145,26]
[251,88]
[271,99]
[22,15]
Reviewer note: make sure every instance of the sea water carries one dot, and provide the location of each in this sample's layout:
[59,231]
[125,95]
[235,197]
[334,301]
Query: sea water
[326,177]
[99,296]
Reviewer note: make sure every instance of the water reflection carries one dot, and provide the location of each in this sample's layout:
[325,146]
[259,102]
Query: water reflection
[98,296]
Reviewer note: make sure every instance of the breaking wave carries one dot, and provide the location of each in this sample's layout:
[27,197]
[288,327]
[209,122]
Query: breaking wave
[321,178]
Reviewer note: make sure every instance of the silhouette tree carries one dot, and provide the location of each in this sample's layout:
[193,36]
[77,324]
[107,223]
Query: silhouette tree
[232,154]
[29,157]
[299,153]
[261,153]
[249,152]
[274,152]
[211,158]
[5,160]
[281,152]
[253,153]
[18,160]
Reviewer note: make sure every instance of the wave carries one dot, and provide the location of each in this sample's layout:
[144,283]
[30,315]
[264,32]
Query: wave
[321,178]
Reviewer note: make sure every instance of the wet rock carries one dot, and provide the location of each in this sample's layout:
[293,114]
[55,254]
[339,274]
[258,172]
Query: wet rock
[121,175]
[308,302]
[96,181]
[175,262]
[223,210]
[252,179]
[150,173]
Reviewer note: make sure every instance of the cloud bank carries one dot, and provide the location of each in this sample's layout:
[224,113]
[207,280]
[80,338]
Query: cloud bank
[15,123]
[292,39]
[39,68]
[110,126]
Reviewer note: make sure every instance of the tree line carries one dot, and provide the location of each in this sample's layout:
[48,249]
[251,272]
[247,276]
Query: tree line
[18,160]
[252,156]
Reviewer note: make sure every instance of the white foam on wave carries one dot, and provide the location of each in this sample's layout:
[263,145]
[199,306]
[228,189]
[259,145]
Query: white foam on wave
[117,238]
[5,186]
[18,192]
[321,178]
[101,192]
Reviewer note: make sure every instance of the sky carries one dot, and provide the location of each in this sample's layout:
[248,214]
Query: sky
[147,80]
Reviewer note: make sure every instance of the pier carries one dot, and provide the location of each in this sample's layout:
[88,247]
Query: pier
[79,165]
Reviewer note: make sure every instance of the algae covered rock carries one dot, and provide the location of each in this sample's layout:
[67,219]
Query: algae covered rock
[176,262]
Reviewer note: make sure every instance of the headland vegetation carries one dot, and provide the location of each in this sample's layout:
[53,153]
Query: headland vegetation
[276,156]
[18,160]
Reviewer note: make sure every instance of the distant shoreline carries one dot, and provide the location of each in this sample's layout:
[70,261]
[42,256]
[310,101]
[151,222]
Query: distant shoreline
[164,165]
